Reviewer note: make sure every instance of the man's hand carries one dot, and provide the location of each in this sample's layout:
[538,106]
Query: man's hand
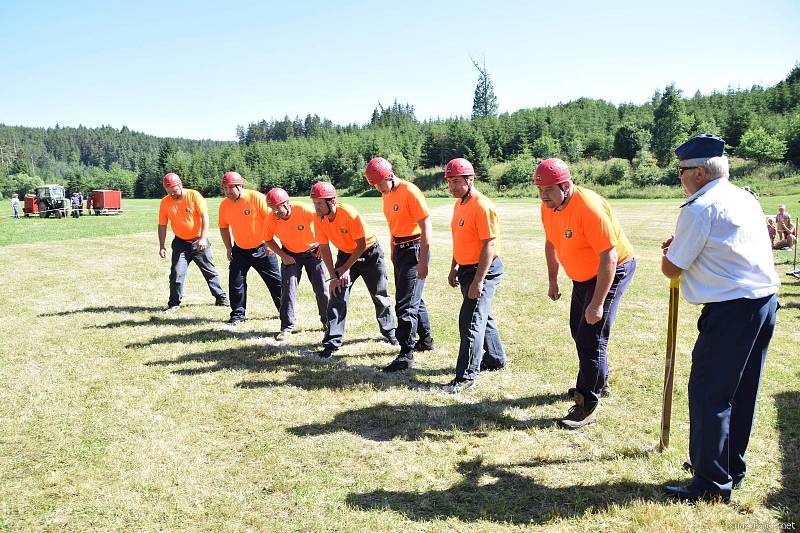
[162,252]
[552,291]
[287,259]
[422,270]
[202,242]
[343,277]
[593,313]
[475,289]
[665,244]
[452,277]
[230,254]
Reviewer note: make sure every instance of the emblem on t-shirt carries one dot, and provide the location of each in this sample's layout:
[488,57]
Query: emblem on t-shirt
[188,209]
[461,222]
[246,212]
[395,207]
[343,230]
[300,227]
[568,233]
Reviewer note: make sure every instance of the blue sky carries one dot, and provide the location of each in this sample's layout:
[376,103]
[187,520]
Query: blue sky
[197,69]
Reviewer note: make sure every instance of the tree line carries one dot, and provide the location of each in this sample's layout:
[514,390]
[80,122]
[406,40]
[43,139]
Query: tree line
[632,141]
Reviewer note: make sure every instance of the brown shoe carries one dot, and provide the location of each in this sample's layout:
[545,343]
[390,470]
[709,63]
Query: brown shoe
[577,417]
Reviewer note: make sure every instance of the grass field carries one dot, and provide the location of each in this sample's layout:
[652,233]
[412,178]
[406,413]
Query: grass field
[114,416]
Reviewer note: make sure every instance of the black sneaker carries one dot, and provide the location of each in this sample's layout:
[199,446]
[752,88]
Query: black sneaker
[326,353]
[391,339]
[424,346]
[491,368]
[222,302]
[235,321]
[577,417]
[172,309]
[399,364]
[459,385]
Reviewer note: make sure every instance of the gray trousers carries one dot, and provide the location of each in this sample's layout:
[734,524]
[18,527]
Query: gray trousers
[290,277]
[372,267]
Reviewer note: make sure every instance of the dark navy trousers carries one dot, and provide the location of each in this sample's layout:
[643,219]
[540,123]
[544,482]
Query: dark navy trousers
[290,277]
[480,338]
[183,253]
[266,264]
[412,315]
[727,363]
[372,267]
[591,340]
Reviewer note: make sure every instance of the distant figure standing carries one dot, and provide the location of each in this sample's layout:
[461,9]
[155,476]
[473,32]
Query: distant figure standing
[76,205]
[771,230]
[80,201]
[15,205]
[89,203]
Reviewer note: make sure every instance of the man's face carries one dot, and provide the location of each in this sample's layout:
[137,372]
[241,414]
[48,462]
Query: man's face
[282,210]
[459,185]
[176,191]
[321,206]
[691,178]
[552,196]
[232,192]
[384,187]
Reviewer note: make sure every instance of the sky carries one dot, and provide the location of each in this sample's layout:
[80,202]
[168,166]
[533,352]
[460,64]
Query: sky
[197,69]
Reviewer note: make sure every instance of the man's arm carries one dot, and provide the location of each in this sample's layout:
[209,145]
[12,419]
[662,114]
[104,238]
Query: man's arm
[668,268]
[285,258]
[361,245]
[452,276]
[225,233]
[552,270]
[605,277]
[424,247]
[487,254]
[162,239]
[202,242]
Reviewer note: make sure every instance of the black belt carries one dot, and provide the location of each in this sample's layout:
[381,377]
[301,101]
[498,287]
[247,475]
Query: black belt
[405,242]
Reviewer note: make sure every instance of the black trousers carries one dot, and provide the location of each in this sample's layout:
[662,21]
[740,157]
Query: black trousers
[266,264]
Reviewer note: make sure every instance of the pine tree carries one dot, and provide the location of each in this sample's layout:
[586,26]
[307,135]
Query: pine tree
[484,104]
[671,125]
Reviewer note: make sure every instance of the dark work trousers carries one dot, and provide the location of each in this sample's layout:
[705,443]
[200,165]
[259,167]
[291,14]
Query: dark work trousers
[183,253]
[412,315]
[372,267]
[591,340]
[266,264]
[480,338]
[727,362]
[290,277]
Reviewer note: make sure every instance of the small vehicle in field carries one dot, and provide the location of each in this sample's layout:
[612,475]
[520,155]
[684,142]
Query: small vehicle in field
[51,201]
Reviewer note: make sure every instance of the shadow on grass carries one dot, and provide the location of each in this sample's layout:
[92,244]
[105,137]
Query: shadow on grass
[787,501]
[252,358]
[207,335]
[385,422]
[497,493]
[155,321]
[109,309]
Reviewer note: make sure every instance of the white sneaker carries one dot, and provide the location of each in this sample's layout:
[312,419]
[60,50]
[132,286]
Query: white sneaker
[283,335]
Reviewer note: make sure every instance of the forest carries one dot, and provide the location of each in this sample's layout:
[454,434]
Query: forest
[607,144]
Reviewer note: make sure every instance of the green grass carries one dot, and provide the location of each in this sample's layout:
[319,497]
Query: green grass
[114,416]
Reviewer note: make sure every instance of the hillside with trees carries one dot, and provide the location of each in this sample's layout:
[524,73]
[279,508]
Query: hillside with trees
[608,144]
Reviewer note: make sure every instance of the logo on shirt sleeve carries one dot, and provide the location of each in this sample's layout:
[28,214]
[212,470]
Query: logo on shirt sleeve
[568,233]
[396,207]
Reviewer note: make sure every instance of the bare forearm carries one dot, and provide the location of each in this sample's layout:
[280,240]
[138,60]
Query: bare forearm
[485,261]
[361,245]
[605,276]
[162,235]
[552,261]
[204,226]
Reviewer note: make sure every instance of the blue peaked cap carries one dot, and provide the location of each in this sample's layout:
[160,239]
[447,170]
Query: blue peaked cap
[703,146]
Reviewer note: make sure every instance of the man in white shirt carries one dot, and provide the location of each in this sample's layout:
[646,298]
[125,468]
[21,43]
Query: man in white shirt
[15,205]
[723,256]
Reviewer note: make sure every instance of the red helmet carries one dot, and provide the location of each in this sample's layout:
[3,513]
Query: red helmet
[232,178]
[171,179]
[458,167]
[378,170]
[551,171]
[276,196]
[323,189]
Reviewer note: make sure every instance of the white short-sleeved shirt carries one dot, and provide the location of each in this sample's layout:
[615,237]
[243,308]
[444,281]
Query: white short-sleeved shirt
[721,245]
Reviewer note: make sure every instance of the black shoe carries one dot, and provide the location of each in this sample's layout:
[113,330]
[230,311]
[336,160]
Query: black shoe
[491,368]
[424,346]
[687,493]
[235,321]
[688,468]
[172,309]
[326,353]
[605,392]
[391,339]
[459,385]
[222,302]
[578,416]
[399,364]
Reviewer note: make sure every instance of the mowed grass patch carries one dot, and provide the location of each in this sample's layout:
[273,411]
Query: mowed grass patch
[116,416]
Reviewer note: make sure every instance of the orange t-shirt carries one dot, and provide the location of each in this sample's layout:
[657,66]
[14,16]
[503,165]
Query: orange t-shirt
[403,208]
[585,228]
[344,230]
[296,233]
[185,214]
[245,217]
[473,223]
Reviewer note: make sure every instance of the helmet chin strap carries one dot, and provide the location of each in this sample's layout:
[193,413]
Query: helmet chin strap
[566,197]
[469,190]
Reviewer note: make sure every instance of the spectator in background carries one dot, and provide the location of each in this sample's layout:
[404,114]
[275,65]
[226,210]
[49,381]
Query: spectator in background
[89,203]
[786,230]
[80,200]
[771,230]
[15,205]
[76,205]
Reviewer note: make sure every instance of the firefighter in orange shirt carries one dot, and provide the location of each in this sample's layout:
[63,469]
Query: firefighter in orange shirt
[187,211]
[477,269]
[583,235]
[359,255]
[406,212]
[243,212]
[293,224]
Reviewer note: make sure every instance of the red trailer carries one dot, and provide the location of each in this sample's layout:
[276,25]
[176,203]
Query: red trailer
[106,202]
[31,206]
